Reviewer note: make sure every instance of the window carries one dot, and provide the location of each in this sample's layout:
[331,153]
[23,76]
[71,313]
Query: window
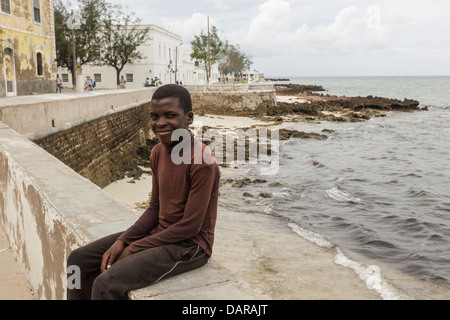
[37,10]
[40,69]
[65,77]
[129,77]
[97,77]
[6,7]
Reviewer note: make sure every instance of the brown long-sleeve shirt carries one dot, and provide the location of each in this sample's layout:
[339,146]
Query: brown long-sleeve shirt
[183,203]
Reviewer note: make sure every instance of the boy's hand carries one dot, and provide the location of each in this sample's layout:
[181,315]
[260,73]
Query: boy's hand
[112,254]
[125,253]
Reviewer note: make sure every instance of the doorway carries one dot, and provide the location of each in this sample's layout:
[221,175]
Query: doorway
[10,76]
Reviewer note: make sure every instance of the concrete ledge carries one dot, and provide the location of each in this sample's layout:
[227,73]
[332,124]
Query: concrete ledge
[27,114]
[210,282]
[236,88]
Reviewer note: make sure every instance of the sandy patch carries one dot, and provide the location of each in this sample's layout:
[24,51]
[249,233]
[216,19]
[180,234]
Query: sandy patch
[290,99]
[226,122]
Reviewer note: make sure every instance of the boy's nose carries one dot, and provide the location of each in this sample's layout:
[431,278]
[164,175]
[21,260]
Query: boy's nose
[161,123]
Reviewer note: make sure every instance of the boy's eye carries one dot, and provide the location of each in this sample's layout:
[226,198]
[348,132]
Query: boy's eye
[153,116]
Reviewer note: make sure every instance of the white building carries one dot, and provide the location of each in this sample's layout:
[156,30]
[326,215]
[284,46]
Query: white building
[163,55]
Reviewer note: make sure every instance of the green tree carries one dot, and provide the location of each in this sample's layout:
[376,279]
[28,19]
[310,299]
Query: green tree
[207,49]
[121,37]
[233,61]
[86,38]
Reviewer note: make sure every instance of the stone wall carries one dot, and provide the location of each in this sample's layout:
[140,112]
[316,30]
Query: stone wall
[99,147]
[229,103]
[35,86]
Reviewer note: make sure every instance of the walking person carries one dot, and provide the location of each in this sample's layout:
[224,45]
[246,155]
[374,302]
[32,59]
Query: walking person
[58,83]
[88,84]
[122,83]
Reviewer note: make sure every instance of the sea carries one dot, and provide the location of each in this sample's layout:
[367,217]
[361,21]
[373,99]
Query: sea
[377,190]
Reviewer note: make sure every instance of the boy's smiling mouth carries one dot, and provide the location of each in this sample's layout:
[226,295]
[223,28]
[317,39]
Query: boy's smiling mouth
[163,132]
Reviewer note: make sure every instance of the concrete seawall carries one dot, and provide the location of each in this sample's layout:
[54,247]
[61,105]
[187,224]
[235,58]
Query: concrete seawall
[48,209]
[228,98]
[27,114]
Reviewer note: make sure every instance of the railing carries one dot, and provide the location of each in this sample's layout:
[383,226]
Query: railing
[244,87]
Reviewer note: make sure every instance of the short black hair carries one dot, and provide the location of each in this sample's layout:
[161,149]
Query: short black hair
[175,91]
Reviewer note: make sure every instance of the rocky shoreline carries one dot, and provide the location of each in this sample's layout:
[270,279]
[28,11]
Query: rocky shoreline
[324,107]
[305,103]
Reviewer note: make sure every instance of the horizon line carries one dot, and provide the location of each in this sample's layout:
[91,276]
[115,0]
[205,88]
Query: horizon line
[352,76]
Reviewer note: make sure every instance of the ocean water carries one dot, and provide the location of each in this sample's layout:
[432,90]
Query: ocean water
[380,189]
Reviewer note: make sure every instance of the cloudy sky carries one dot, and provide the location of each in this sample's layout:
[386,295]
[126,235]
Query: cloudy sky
[318,37]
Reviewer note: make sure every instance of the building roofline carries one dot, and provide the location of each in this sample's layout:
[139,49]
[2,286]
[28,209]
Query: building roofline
[155,27]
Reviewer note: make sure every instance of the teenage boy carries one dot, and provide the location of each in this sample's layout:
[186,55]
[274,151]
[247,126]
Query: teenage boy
[176,233]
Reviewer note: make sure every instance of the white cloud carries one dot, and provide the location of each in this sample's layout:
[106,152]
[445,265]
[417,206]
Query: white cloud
[189,27]
[271,32]
[219,4]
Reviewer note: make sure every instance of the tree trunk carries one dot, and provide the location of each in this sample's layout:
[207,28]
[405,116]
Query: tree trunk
[74,76]
[118,71]
[207,72]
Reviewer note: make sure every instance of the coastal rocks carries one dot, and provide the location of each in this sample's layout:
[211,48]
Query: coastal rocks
[239,183]
[293,89]
[285,134]
[320,107]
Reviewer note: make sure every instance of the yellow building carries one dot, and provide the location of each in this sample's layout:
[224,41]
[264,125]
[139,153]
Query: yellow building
[27,47]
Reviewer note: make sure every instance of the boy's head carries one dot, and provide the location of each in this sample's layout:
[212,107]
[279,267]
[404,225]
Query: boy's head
[174,91]
[171,109]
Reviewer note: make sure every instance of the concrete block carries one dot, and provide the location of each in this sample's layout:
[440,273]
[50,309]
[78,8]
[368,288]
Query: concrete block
[206,283]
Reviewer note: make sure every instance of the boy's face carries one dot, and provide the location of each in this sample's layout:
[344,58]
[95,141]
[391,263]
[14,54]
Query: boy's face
[167,116]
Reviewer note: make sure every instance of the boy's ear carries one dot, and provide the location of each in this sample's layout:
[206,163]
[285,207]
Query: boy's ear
[190,117]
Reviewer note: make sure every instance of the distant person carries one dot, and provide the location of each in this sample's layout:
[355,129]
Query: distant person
[122,83]
[176,232]
[147,82]
[88,84]
[58,84]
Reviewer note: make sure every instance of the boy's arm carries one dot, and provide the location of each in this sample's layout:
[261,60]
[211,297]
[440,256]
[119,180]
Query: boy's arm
[197,204]
[148,220]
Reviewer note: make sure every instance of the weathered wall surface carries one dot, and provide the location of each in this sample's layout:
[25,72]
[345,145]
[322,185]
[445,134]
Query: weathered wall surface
[230,103]
[47,210]
[26,38]
[99,147]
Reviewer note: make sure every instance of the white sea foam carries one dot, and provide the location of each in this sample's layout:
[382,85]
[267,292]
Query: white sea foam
[310,236]
[371,275]
[341,195]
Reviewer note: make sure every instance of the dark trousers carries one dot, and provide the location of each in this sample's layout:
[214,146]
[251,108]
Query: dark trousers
[133,272]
